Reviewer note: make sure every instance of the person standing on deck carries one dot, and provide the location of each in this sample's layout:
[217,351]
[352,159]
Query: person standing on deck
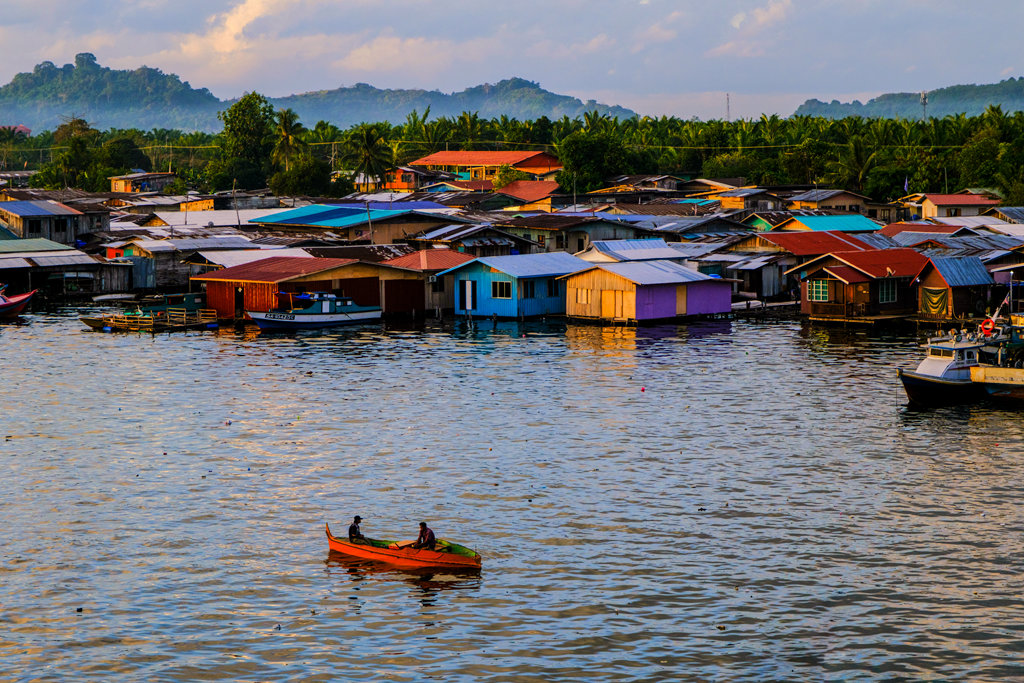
[426,538]
[354,534]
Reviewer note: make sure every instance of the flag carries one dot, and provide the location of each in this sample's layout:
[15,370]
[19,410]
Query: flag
[906,184]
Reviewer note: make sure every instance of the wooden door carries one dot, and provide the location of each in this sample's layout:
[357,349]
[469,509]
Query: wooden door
[680,299]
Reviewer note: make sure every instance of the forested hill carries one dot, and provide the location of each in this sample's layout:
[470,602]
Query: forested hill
[107,98]
[515,97]
[147,98]
[957,99]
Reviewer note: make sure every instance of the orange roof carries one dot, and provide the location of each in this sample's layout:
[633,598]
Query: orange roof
[430,259]
[530,190]
[959,200]
[487,158]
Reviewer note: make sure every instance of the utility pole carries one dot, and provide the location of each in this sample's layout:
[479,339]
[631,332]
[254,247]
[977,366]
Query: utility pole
[728,113]
[924,105]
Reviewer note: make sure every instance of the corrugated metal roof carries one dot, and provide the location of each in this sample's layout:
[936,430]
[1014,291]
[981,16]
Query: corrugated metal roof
[847,274]
[41,207]
[275,269]
[11,263]
[32,244]
[530,190]
[650,249]
[74,258]
[430,259]
[1012,213]
[536,265]
[817,195]
[842,223]
[654,272]
[968,221]
[960,200]
[756,262]
[237,257]
[963,271]
[814,243]
[483,158]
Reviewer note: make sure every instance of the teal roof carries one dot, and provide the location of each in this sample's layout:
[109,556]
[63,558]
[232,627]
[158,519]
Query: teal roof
[331,216]
[34,244]
[853,222]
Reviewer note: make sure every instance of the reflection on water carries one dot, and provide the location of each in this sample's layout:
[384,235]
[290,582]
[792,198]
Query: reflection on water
[428,583]
[730,500]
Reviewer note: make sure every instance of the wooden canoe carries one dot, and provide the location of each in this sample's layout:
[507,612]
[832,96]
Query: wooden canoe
[447,554]
[12,306]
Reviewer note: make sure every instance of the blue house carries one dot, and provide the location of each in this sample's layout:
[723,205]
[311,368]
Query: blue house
[519,286]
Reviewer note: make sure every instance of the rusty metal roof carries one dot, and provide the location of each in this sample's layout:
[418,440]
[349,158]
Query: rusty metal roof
[276,269]
[430,259]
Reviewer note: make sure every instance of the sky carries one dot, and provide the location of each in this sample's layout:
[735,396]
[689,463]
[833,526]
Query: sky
[657,57]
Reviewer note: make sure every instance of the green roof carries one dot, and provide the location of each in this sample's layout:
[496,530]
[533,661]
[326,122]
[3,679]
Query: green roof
[34,244]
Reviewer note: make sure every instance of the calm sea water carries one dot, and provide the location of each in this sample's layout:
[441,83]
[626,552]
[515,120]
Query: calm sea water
[736,501]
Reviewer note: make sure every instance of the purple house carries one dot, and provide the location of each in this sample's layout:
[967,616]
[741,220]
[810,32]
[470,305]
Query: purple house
[638,291]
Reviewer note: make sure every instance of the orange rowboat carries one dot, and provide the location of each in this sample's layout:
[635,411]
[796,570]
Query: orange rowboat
[447,554]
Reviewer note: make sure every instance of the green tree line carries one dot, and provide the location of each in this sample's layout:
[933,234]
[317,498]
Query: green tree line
[260,147]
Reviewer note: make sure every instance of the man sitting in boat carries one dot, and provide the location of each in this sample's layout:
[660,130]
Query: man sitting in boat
[426,538]
[354,534]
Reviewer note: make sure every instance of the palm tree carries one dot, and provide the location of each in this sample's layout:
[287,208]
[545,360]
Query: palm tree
[368,154]
[288,137]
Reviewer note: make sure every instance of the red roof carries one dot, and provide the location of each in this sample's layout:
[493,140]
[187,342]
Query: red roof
[430,259]
[847,274]
[530,190]
[276,269]
[959,200]
[885,262]
[894,229]
[815,243]
[471,185]
[477,158]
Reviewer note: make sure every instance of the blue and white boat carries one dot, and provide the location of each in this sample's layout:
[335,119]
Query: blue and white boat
[314,310]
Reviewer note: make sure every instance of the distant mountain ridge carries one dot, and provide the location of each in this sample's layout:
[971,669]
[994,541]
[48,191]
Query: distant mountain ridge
[147,98]
[971,100]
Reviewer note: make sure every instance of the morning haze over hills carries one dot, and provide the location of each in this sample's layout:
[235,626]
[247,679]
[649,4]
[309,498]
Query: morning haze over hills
[147,98]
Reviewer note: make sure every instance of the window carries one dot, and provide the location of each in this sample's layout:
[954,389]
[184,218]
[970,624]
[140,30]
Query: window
[527,289]
[35,226]
[60,224]
[437,285]
[583,296]
[501,290]
[886,291]
[540,240]
[560,241]
[952,212]
[552,287]
[817,290]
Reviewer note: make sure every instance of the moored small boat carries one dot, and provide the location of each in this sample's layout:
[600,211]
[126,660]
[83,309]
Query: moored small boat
[12,306]
[447,554]
[944,376]
[315,310]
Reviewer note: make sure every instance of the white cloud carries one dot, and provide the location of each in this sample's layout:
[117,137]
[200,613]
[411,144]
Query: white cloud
[750,41]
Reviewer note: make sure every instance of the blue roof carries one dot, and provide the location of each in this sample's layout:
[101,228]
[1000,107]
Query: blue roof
[654,272]
[530,265]
[843,222]
[962,271]
[37,207]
